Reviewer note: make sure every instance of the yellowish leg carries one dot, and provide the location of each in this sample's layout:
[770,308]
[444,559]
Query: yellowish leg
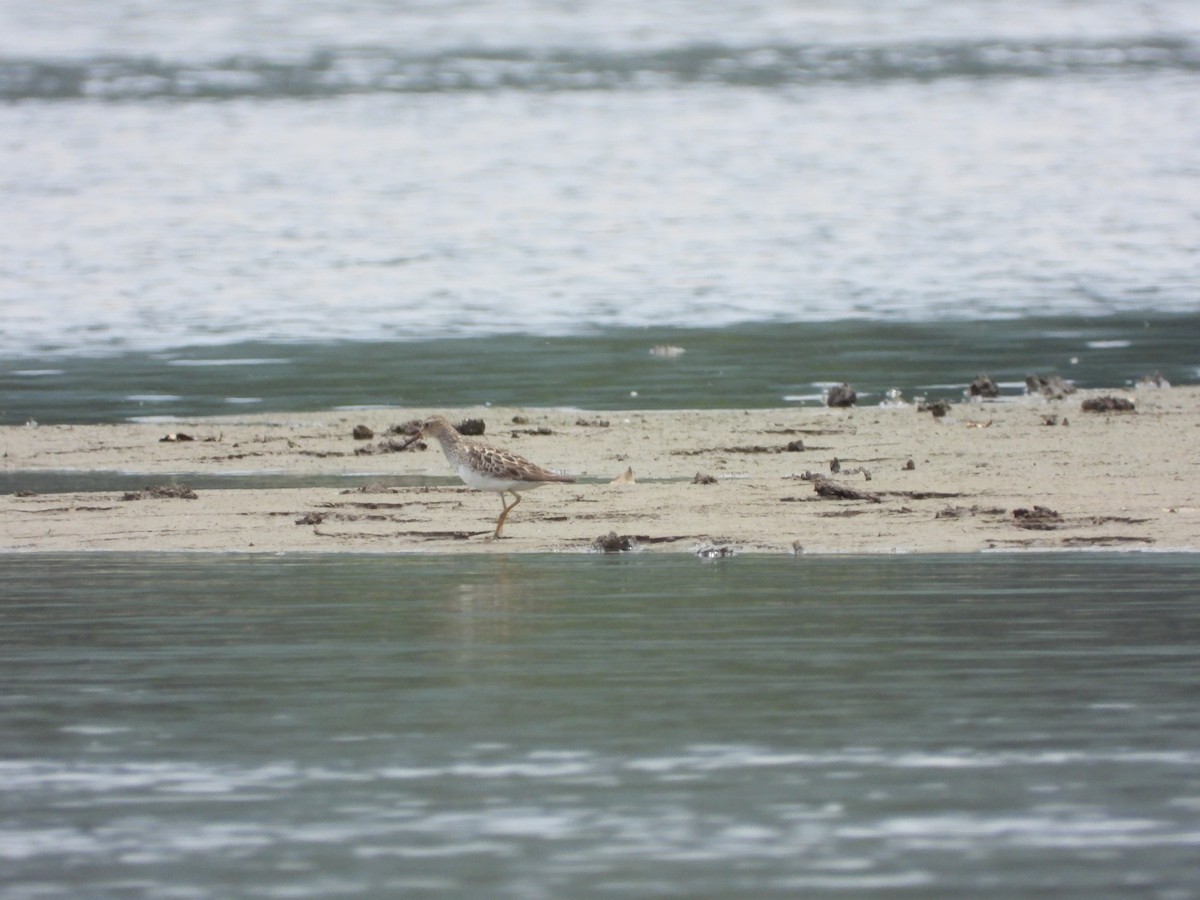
[504,514]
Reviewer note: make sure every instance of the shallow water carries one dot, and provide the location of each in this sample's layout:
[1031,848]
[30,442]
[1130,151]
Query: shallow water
[555,726]
[59,481]
[763,365]
[254,206]
[247,171]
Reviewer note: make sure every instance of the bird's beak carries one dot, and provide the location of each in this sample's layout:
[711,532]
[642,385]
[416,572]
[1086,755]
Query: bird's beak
[413,439]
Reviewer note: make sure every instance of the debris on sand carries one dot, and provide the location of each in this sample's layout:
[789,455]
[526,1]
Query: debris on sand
[740,448]
[467,427]
[614,543]
[841,395]
[835,468]
[704,478]
[983,386]
[1154,380]
[909,466]
[312,518]
[1108,404]
[831,490]
[372,487]
[796,446]
[1053,387]
[955,512]
[180,437]
[362,433]
[390,446]
[1040,518]
[163,492]
[939,408]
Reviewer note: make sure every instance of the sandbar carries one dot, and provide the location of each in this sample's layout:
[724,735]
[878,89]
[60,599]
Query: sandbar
[1023,474]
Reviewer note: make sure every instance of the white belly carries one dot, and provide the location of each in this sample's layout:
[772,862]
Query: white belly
[487,483]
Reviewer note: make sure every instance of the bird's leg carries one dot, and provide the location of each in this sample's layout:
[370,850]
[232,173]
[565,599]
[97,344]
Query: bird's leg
[504,514]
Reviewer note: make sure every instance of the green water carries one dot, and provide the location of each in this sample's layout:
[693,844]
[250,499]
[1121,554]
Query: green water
[59,481]
[548,726]
[760,365]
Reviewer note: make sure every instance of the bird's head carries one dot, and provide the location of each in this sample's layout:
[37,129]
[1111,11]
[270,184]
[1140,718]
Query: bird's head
[436,425]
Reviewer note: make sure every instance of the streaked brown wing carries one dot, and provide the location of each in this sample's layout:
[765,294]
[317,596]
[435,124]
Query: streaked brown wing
[502,464]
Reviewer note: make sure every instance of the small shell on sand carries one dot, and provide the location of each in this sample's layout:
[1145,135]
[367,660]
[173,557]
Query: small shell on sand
[625,477]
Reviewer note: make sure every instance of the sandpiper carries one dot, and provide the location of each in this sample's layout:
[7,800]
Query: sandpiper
[489,468]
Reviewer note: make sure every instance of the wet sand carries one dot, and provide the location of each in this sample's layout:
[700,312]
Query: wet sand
[1026,474]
